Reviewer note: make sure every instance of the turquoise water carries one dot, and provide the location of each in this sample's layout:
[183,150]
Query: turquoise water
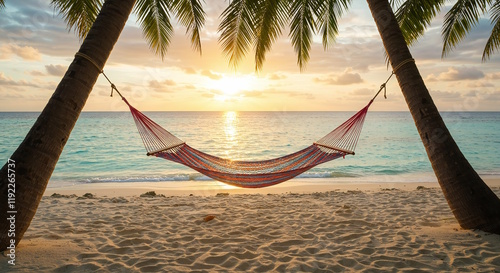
[105,146]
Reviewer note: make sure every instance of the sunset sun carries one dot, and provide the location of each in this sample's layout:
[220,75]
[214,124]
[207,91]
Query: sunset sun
[231,86]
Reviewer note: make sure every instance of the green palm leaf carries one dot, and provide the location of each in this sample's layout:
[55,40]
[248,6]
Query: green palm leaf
[493,42]
[271,17]
[2,4]
[191,14]
[459,20]
[328,12]
[237,29]
[302,27]
[154,18]
[414,16]
[78,14]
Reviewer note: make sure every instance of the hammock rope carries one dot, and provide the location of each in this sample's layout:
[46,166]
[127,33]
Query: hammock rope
[249,174]
[161,143]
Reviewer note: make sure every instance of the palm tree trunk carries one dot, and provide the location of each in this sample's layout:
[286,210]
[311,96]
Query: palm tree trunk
[472,202]
[35,159]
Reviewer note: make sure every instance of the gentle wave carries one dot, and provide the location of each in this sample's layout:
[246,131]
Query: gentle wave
[163,178]
[199,177]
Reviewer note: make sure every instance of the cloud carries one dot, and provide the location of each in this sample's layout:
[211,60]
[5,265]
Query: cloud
[216,92]
[304,95]
[259,94]
[276,76]
[33,23]
[493,76]
[470,48]
[4,80]
[211,75]
[52,70]
[292,94]
[27,53]
[473,100]
[480,84]
[345,78]
[55,70]
[189,86]
[189,70]
[161,86]
[446,95]
[208,95]
[36,73]
[252,94]
[460,98]
[457,74]
[363,92]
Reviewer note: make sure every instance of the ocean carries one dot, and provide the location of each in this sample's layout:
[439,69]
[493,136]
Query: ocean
[106,147]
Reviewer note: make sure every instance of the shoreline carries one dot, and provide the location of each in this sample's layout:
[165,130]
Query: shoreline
[207,188]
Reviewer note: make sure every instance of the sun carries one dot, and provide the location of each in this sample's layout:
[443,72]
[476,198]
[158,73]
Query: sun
[231,86]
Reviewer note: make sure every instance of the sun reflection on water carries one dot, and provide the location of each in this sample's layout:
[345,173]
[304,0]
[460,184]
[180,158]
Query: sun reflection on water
[231,132]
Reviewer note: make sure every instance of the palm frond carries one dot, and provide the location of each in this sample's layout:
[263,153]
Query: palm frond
[2,4]
[271,17]
[459,20]
[191,14]
[328,12]
[237,29]
[395,3]
[154,18]
[493,42]
[302,27]
[78,14]
[414,16]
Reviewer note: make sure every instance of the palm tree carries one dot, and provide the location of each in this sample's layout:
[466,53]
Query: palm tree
[415,16]
[35,158]
[261,22]
[472,202]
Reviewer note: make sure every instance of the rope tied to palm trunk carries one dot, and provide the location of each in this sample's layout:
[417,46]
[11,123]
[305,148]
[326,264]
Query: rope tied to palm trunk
[383,86]
[101,71]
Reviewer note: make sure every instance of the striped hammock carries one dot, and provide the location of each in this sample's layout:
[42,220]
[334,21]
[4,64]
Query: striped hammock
[250,174]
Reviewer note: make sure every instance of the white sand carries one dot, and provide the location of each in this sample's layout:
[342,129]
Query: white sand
[379,227]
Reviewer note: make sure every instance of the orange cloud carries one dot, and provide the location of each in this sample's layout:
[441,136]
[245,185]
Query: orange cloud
[27,53]
[211,75]
[345,78]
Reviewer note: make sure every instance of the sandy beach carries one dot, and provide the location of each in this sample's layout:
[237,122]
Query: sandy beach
[294,227]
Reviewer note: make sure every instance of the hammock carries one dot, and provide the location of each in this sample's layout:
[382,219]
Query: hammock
[250,174]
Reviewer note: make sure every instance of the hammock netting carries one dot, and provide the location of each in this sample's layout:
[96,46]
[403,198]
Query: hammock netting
[250,174]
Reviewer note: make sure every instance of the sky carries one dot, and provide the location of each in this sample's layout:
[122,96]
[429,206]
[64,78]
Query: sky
[36,48]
